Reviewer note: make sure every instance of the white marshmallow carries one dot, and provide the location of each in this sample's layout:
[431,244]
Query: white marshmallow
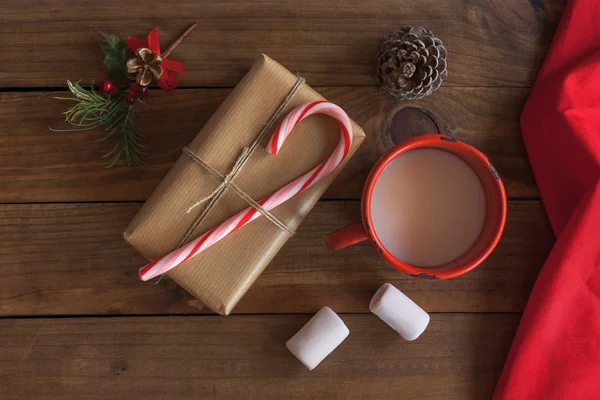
[319,337]
[399,312]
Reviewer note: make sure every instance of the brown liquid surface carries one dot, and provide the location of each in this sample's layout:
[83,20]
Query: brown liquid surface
[428,207]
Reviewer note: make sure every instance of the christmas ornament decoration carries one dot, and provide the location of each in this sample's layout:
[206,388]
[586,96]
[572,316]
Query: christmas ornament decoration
[114,106]
[149,62]
[146,64]
[411,63]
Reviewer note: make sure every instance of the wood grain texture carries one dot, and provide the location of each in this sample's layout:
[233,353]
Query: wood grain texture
[459,356]
[38,165]
[71,259]
[63,254]
[490,43]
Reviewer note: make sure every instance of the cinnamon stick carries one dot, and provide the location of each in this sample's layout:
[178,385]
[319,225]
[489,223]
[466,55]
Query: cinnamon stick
[176,43]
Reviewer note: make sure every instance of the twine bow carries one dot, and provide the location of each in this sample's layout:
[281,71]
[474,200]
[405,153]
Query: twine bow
[227,180]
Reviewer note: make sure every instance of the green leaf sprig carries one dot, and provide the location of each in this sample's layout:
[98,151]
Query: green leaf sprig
[116,55]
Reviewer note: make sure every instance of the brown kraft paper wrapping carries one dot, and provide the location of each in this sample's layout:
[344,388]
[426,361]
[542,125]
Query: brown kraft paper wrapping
[221,274]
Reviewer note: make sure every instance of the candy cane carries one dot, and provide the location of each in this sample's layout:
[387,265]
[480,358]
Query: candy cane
[248,215]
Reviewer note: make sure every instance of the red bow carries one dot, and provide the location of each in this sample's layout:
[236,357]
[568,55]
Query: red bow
[168,80]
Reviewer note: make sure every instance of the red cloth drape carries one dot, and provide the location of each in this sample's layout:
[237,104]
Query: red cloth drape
[556,351]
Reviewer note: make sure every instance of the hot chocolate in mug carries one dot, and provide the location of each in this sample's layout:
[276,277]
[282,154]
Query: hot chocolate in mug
[432,207]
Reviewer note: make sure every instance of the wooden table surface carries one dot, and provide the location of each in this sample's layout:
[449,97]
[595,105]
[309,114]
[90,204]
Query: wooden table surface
[75,320]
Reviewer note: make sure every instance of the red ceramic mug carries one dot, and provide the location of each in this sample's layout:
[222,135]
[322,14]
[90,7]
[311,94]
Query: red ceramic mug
[493,222]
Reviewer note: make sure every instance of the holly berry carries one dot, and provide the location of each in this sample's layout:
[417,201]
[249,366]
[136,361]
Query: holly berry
[139,90]
[114,91]
[107,86]
[130,99]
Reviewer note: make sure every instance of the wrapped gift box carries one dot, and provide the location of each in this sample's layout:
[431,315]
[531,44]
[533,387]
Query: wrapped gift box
[221,275]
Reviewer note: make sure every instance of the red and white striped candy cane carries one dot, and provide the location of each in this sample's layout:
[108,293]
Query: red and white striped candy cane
[234,223]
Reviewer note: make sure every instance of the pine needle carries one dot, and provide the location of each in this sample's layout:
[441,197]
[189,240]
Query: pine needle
[94,110]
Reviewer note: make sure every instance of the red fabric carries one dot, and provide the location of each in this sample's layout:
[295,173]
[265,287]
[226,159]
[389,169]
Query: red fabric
[556,351]
[168,80]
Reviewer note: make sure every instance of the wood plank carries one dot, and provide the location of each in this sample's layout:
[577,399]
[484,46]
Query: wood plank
[37,165]
[245,357]
[490,43]
[60,259]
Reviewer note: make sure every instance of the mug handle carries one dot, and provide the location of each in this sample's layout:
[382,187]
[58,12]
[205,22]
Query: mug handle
[347,236]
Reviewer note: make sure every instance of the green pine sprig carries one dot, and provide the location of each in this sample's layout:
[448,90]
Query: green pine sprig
[130,142]
[95,110]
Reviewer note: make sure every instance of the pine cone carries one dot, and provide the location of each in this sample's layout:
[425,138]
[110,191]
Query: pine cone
[411,63]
